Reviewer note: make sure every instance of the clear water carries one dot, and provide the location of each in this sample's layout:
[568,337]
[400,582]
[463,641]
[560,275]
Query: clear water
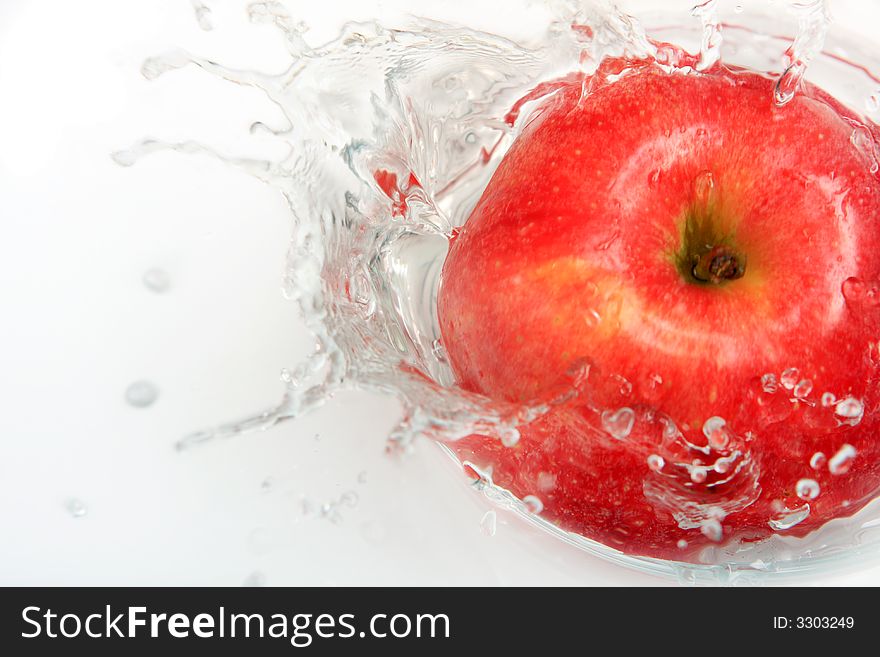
[391,135]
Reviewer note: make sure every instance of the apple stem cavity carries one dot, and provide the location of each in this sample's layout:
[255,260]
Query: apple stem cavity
[718,265]
[708,255]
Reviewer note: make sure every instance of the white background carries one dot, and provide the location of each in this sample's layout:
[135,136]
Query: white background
[78,326]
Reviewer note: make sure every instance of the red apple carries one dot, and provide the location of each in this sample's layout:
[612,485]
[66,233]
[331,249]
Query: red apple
[710,262]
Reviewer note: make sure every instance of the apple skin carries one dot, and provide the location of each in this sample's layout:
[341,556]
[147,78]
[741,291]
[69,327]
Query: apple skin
[570,265]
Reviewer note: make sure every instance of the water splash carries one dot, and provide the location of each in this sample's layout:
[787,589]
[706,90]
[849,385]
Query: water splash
[390,136]
[813,20]
[710,45]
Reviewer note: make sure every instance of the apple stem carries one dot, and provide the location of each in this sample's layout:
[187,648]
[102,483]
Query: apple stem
[719,264]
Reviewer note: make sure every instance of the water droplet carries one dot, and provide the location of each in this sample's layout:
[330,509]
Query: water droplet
[489,523]
[850,410]
[203,15]
[715,430]
[769,383]
[255,579]
[533,504]
[656,462]
[76,508]
[509,436]
[841,462]
[704,187]
[817,460]
[828,399]
[619,423]
[789,378]
[141,394]
[803,389]
[546,482]
[156,280]
[808,489]
[788,518]
[626,387]
[711,528]
[349,498]
[698,473]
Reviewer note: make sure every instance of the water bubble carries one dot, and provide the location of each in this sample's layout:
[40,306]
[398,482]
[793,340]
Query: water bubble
[141,394]
[808,489]
[817,460]
[656,462]
[619,423]
[711,528]
[715,431]
[681,544]
[769,383]
[489,523]
[156,280]
[828,399]
[788,518]
[533,504]
[789,378]
[841,462]
[803,389]
[850,410]
[76,508]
